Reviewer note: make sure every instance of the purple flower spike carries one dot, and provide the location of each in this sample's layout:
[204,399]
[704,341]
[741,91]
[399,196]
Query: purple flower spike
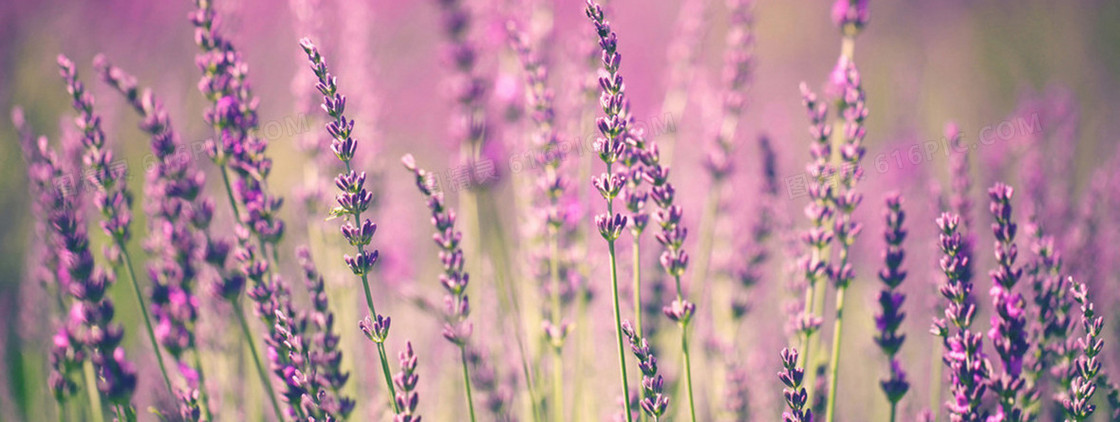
[406,381]
[964,355]
[454,278]
[1079,406]
[654,402]
[890,317]
[1008,333]
[795,394]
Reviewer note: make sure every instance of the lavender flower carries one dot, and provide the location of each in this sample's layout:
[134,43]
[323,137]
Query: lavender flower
[960,200]
[738,64]
[325,354]
[611,146]
[756,253]
[795,394]
[889,319]
[469,88]
[850,15]
[406,381]
[964,355]
[653,402]
[1008,333]
[1050,329]
[456,329]
[178,211]
[1079,406]
[814,263]
[353,199]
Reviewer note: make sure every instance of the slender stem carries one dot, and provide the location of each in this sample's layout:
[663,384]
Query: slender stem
[935,386]
[204,397]
[688,371]
[687,360]
[511,290]
[894,410]
[239,310]
[557,346]
[229,193]
[91,389]
[380,345]
[834,362]
[467,379]
[638,285]
[144,311]
[618,330]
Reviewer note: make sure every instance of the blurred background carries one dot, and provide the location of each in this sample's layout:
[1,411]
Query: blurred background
[1009,72]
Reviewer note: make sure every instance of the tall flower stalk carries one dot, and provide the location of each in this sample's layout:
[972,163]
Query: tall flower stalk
[353,199]
[737,67]
[179,210]
[854,110]
[113,198]
[889,319]
[406,381]
[456,329]
[1079,406]
[963,354]
[1009,320]
[611,146]
[814,263]
[553,186]
[232,114]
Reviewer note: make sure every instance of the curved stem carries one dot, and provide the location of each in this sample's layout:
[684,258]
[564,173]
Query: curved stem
[618,329]
[467,380]
[144,312]
[239,310]
[91,389]
[834,362]
[380,345]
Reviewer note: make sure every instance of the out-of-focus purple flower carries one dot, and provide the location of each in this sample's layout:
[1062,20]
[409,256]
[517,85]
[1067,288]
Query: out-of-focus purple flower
[850,15]
[1050,329]
[1079,406]
[324,352]
[796,396]
[756,254]
[1008,333]
[814,264]
[890,316]
[497,391]
[468,85]
[738,66]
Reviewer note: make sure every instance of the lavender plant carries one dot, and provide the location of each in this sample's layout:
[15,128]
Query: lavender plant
[653,402]
[406,381]
[1080,405]
[890,317]
[963,355]
[796,397]
[113,198]
[232,113]
[454,279]
[353,199]
[610,147]
[1008,334]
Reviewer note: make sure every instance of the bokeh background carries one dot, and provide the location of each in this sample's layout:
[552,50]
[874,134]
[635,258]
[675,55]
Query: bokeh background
[1052,64]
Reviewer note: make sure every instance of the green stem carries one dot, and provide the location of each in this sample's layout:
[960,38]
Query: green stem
[91,389]
[834,362]
[467,380]
[618,327]
[688,370]
[380,345]
[229,193]
[638,285]
[894,410]
[557,344]
[239,310]
[144,312]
